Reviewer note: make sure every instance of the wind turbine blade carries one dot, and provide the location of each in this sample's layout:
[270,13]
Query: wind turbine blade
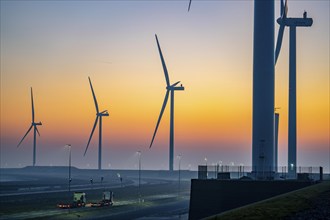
[37,131]
[282,8]
[163,63]
[286,9]
[279,41]
[160,116]
[189,5]
[32,105]
[90,138]
[104,111]
[95,101]
[25,135]
[175,83]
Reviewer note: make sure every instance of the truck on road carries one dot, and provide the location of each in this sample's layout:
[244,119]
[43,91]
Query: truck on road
[79,200]
[107,200]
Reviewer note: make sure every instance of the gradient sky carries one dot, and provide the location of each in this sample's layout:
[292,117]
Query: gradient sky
[54,46]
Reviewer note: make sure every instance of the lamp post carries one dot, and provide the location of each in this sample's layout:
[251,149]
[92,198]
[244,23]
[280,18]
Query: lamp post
[292,171]
[69,146]
[179,187]
[120,179]
[139,153]
[206,167]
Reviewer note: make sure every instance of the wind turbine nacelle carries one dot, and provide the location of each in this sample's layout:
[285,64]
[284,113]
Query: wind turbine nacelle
[175,88]
[179,88]
[37,123]
[104,113]
[297,22]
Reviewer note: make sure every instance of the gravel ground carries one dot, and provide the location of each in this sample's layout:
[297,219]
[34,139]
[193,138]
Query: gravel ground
[320,209]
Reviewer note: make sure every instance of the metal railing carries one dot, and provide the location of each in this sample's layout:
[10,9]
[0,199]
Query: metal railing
[248,172]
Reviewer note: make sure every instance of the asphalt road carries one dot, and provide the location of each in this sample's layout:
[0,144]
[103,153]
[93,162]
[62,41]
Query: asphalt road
[50,189]
[171,208]
[159,201]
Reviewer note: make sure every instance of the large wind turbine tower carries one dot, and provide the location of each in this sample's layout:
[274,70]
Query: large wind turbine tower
[263,89]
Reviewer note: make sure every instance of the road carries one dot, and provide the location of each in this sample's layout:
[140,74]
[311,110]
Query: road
[33,193]
[159,197]
[81,187]
[172,210]
[162,206]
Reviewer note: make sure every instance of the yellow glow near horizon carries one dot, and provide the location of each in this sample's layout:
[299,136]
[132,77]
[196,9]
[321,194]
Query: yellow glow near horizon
[208,51]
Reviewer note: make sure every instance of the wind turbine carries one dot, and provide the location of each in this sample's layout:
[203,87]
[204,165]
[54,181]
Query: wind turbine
[169,89]
[99,116]
[35,131]
[189,5]
[293,23]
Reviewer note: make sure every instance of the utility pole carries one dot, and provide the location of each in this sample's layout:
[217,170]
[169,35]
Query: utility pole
[139,153]
[69,146]
[179,186]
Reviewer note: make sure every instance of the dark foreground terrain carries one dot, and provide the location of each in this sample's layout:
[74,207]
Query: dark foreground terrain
[312,202]
[319,208]
[35,192]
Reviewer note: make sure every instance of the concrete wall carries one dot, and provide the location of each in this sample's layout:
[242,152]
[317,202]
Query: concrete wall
[209,197]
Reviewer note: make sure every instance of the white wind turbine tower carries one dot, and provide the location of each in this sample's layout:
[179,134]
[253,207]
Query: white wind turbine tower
[99,116]
[292,23]
[169,89]
[35,131]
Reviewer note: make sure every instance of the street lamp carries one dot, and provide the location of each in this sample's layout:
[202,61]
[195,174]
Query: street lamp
[292,166]
[241,170]
[139,153]
[69,146]
[179,157]
[120,179]
[206,167]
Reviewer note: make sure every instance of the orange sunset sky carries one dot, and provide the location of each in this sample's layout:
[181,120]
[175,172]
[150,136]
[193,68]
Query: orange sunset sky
[54,46]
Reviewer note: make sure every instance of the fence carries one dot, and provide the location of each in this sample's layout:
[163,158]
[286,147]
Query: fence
[247,172]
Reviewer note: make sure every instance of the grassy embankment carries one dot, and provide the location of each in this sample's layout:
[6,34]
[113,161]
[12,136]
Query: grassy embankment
[277,207]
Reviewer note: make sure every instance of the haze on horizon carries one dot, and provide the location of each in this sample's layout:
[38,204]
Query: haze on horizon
[54,46]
